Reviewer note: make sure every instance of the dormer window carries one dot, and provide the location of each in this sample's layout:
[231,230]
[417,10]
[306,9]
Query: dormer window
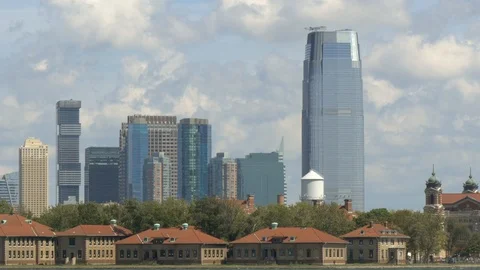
[173,239]
[292,238]
[264,239]
[362,232]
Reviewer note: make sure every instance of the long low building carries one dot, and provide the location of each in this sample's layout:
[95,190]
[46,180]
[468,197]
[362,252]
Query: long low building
[183,245]
[286,245]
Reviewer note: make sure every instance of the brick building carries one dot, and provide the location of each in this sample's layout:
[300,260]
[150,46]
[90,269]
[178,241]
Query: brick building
[286,245]
[89,244]
[183,245]
[25,242]
[376,243]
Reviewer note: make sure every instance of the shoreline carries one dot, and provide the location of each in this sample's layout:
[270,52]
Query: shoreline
[241,266]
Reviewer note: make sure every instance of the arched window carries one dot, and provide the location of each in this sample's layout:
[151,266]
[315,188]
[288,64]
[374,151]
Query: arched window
[432,199]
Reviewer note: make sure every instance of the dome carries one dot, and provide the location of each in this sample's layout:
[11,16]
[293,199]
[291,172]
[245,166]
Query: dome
[470,186]
[312,175]
[433,181]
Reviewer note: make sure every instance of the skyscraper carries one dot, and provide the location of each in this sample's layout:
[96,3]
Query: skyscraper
[194,152]
[222,177]
[156,178]
[101,174]
[262,174]
[69,172]
[137,152]
[33,169]
[9,189]
[332,115]
[162,137]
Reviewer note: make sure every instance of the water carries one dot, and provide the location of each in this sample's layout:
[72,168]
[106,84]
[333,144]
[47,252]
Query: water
[352,267]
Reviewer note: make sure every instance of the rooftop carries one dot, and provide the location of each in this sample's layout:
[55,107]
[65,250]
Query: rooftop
[96,230]
[293,234]
[373,231]
[312,175]
[451,198]
[16,225]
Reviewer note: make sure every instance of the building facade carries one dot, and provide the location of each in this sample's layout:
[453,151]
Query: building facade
[194,153]
[25,242]
[69,172]
[376,243]
[89,244]
[101,174]
[156,177]
[184,245]
[162,138]
[137,152]
[262,174]
[288,245]
[222,177]
[332,114]
[33,173]
[9,189]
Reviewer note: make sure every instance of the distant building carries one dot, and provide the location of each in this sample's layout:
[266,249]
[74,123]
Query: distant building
[376,243]
[194,152]
[247,205]
[222,177]
[69,172]
[25,242]
[89,244]
[9,189]
[33,172]
[185,245]
[156,178]
[162,138]
[137,152]
[312,188]
[101,174]
[262,174]
[288,245]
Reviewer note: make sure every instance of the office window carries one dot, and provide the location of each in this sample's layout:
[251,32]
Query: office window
[239,253]
[290,252]
[122,253]
[90,253]
[135,253]
[171,253]
[246,253]
[103,253]
[187,253]
[163,253]
[254,253]
[9,254]
[79,254]
[218,252]
[180,254]
[129,253]
[370,242]
[46,254]
[154,254]
[338,253]
[64,253]
[71,241]
[370,253]
[360,242]
[195,253]
[309,253]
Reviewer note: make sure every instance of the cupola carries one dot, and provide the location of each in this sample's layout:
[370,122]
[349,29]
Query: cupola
[433,181]
[470,186]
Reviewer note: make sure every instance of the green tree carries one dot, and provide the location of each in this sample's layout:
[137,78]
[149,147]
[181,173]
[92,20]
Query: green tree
[457,235]
[473,245]
[173,213]
[264,216]
[61,217]
[379,215]
[90,213]
[331,219]
[5,207]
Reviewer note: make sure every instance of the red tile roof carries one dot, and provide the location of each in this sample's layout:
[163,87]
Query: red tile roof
[96,230]
[373,231]
[302,235]
[451,198]
[172,236]
[16,225]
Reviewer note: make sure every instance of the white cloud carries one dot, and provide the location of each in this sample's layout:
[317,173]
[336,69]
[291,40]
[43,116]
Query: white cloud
[380,92]
[191,101]
[470,90]
[63,78]
[41,66]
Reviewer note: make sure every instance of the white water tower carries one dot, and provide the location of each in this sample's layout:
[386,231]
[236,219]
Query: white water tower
[312,188]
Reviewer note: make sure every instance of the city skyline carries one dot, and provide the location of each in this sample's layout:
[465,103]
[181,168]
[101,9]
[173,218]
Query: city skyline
[239,64]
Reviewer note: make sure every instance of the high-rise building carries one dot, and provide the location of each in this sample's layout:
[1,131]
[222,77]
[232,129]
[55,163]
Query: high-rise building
[69,172]
[332,115]
[262,174]
[101,174]
[162,137]
[9,189]
[137,152]
[156,178]
[222,177]
[33,170]
[194,152]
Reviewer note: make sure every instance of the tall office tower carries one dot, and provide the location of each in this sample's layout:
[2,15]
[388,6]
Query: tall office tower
[9,189]
[162,137]
[332,115]
[222,177]
[69,172]
[194,152]
[33,169]
[137,152]
[101,174]
[262,174]
[156,178]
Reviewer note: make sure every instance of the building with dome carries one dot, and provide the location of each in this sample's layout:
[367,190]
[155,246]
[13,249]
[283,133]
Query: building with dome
[464,206]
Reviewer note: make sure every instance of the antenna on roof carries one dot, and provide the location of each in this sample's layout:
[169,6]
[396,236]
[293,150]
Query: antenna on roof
[316,28]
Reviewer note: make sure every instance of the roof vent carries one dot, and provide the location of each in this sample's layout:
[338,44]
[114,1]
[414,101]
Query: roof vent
[4,221]
[274,225]
[28,221]
[156,226]
[185,226]
[292,238]
[362,232]
[145,240]
[173,239]
[264,239]
[113,222]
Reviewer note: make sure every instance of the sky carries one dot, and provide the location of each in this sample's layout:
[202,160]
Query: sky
[239,64]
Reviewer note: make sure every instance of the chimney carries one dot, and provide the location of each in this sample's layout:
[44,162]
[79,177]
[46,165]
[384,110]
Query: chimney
[348,205]
[274,225]
[385,224]
[251,200]
[113,222]
[185,226]
[156,226]
[280,199]
[370,225]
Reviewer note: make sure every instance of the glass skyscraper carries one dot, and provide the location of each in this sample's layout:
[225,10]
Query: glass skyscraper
[222,177]
[9,189]
[332,115]
[101,174]
[137,152]
[69,172]
[194,152]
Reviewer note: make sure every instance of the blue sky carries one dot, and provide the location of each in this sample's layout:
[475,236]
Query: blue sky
[239,63]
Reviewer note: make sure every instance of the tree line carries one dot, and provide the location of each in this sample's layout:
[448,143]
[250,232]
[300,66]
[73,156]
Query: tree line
[227,220]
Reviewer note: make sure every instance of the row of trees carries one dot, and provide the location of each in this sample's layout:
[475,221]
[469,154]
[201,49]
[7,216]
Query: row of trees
[227,220]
